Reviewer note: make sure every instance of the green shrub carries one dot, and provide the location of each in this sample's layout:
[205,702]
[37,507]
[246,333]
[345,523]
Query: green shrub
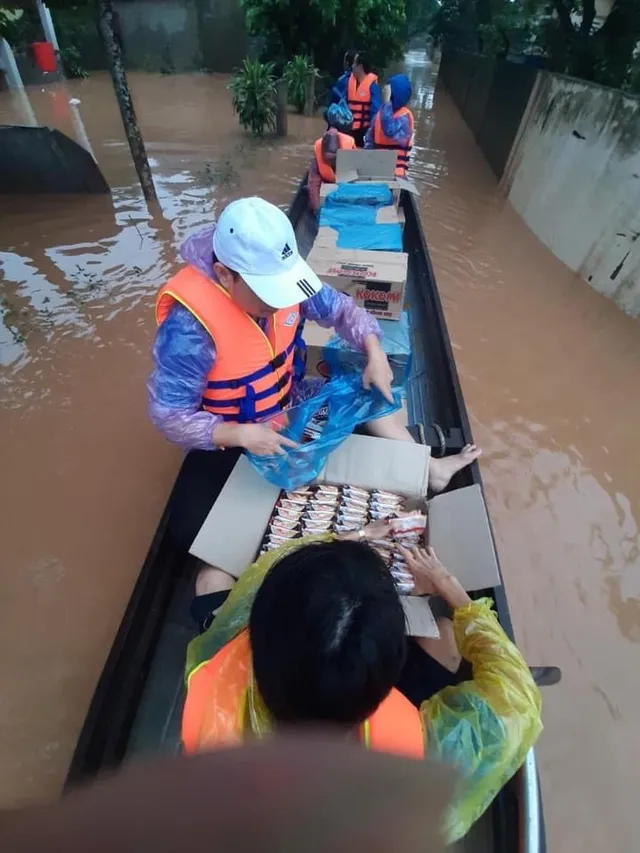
[254,96]
[296,73]
[72,62]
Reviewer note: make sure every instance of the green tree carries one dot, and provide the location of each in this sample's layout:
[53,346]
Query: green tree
[323,29]
[569,36]
[491,27]
[419,16]
[566,32]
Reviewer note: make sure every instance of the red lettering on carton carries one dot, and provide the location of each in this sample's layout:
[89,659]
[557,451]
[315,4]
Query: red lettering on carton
[378,296]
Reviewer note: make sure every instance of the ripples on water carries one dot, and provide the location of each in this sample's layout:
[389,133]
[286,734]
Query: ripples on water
[84,476]
[70,265]
[549,368]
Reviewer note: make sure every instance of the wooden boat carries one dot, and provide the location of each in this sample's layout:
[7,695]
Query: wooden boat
[137,704]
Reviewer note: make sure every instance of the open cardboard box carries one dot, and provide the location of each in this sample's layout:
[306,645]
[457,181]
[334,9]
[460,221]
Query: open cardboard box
[375,280]
[373,165]
[458,525]
[365,164]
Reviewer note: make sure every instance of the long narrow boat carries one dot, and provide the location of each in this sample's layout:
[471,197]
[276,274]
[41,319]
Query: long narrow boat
[136,707]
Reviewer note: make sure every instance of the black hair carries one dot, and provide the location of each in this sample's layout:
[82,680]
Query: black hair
[349,56]
[329,145]
[363,59]
[327,634]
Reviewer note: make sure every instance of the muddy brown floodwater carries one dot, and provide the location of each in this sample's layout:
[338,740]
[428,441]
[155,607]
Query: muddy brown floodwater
[549,370]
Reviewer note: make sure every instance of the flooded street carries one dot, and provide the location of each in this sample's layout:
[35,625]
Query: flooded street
[548,366]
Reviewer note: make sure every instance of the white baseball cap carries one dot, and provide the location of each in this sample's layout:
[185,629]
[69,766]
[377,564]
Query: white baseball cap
[256,239]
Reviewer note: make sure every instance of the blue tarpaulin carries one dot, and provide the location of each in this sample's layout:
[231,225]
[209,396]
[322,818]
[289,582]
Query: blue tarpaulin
[376,195]
[347,215]
[381,238]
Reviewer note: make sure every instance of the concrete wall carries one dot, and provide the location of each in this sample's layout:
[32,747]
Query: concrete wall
[574,177]
[162,35]
[183,35]
[492,95]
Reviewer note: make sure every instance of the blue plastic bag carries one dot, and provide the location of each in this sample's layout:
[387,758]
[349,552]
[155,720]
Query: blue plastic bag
[377,195]
[379,238]
[340,116]
[340,406]
[339,357]
[342,216]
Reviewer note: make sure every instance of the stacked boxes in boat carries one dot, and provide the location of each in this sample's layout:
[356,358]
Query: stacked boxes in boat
[358,246]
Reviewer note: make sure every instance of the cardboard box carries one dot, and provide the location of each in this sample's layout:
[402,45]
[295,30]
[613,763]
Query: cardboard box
[371,165]
[396,342]
[375,280]
[458,525]
[362,164]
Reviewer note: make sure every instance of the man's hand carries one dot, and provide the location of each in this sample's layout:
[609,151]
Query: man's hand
[260,439]
[377,372]
[431,577]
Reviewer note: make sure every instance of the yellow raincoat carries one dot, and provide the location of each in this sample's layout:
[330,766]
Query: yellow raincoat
[484,727]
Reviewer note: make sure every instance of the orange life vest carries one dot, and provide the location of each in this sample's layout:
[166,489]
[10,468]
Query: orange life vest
[214,713]
[359,100]
[326,172]
[252,373]
[380,140]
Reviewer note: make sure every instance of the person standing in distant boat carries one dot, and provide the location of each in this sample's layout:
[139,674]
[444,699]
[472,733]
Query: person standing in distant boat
[339,88]
[363,96]
[392,128]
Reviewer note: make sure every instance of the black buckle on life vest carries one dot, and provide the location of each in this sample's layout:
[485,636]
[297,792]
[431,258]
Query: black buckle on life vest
[279,360]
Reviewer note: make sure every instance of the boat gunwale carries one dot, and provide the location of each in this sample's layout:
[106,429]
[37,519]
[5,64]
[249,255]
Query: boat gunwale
[105,733]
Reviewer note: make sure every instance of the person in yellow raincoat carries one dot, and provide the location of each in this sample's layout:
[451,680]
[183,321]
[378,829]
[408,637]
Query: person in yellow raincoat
[313,632]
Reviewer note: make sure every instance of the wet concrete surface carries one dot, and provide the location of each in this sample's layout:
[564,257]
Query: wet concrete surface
[549,369]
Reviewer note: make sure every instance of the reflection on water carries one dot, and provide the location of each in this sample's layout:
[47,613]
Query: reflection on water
[84,476]
[549,369]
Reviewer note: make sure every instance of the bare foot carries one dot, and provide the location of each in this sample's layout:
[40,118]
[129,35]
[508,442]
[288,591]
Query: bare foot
[210,579]
[442,470]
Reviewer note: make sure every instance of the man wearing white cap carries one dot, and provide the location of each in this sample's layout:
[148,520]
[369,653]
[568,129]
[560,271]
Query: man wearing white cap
[225,349]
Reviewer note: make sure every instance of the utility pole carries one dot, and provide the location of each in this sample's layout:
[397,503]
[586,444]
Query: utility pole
[113,51]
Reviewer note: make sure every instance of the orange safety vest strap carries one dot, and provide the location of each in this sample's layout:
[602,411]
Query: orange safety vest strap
[212,714]
[214,711]
[359,100]
[381,140]
[395,727]
[345,143]
[326,172]
[250,379]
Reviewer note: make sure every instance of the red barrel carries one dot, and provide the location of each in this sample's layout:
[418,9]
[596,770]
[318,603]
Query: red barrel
[44,56]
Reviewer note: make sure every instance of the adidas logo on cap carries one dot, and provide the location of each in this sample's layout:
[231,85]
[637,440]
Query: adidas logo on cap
[286,252]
